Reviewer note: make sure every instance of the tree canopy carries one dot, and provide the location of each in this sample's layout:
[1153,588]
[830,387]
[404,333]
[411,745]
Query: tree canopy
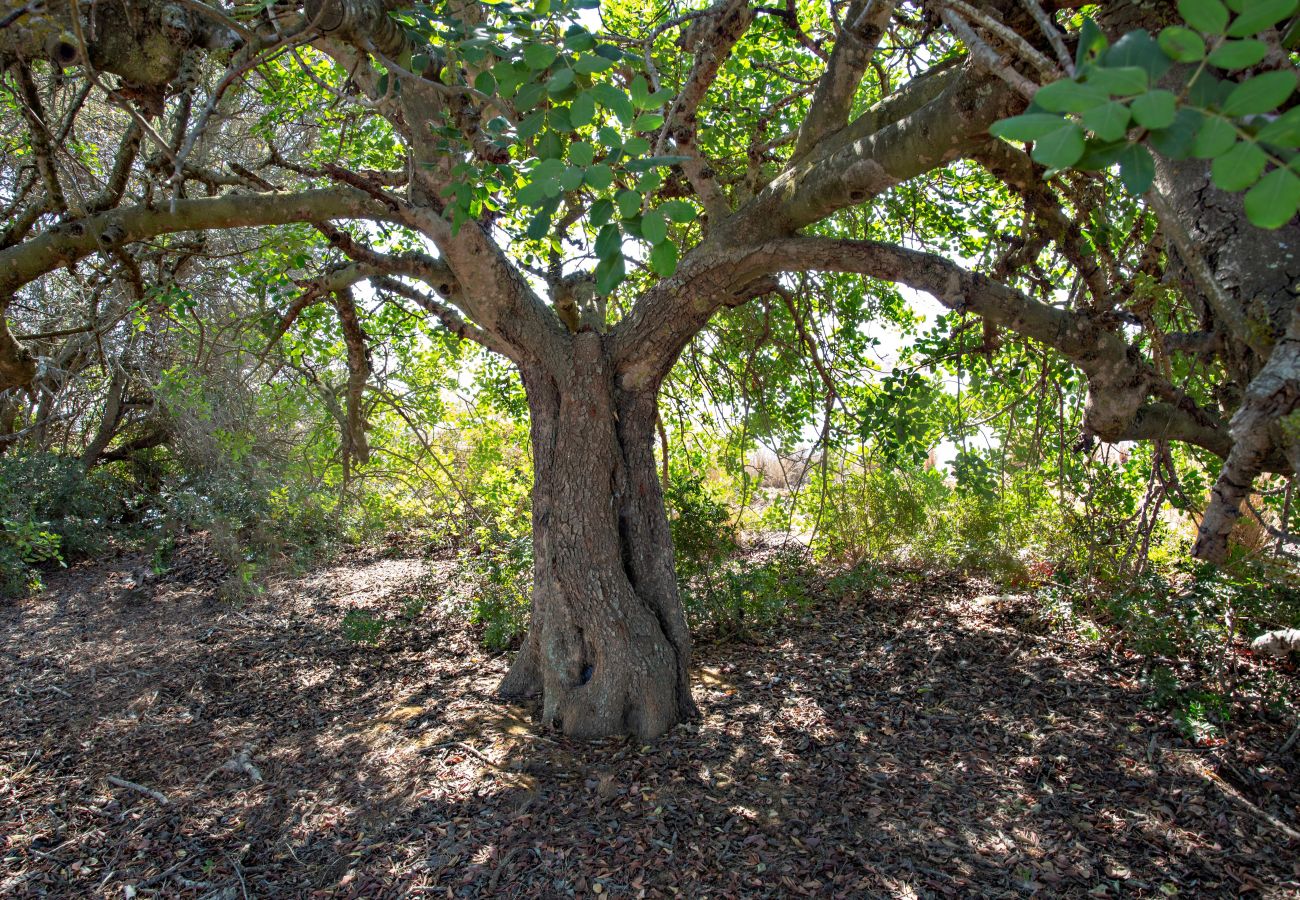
[1102,197]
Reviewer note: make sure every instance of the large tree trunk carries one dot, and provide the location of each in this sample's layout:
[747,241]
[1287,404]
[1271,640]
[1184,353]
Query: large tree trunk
[608,649]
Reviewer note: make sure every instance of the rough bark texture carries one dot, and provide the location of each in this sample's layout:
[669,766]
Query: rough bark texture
[608,649]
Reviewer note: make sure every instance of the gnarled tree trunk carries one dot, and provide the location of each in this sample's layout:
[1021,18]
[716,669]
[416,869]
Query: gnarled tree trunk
[608,648]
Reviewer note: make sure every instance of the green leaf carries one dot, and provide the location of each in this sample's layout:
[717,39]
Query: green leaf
[1207,16]
[609,242]
[561,81]
[652,162]
[590,64]
[648,122]
[1108,121]
[529,96]
[1274,201]
[1091,39]
[485,82]
[581,153]
[539,56]
[1284,131]
[1061,148]
[1234,55]
[1098,155]
[1182,44]
[1070,96]
[601,211]
[579,39]
[531,125]
[663,259]
[1239,168]
[1176,141]
[1215,138]
[583,109]
[640,91]
[654,227]
[1138,48]
[1137,169]
[420,62]
[1028,127]
[550,146]
[571,180]
[599,176]
[1261,94]
[635,146]
[540,225]
[609,274]
[615,101]
[1122,81]
[678,211]
[1155,109]
[1260,15]
[629,203]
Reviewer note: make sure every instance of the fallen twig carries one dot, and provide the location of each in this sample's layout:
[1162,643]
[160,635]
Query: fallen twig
[139,788]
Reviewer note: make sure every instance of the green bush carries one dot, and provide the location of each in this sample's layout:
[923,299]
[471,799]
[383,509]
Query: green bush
[702,529]
[748,594]
[51,512]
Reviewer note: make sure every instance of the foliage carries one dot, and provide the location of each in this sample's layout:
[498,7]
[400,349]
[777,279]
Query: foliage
[51,512]
[1171,94]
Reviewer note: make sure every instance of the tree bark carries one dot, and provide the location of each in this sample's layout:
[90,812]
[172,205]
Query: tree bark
[607,650]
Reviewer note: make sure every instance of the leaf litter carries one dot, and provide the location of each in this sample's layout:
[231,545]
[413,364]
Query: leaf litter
[916,740]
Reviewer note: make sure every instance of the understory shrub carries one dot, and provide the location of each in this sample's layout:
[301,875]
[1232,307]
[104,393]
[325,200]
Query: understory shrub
[51,512]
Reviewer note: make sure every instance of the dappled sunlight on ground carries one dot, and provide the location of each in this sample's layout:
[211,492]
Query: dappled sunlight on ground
[912,742]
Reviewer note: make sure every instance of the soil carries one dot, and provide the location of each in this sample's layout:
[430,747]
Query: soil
[171,736]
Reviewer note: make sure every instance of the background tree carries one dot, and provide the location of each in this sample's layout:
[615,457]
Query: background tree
[583,200]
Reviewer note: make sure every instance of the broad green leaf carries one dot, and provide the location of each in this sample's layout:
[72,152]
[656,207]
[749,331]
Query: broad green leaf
[550,146]
[560,82]
[635,146]
[1284,131]
[601,211]
[590,64]
[1070,96]
[485,82]
[648,122]
[579,39]
[1028,127]
[654,227]
[1208,16]
[1234,55]
[1155,109]
[1108,121]
[1260,15]
[1061,148]
[1274,201]
[610,272]
[1176,141]
[651,162]
[599,176]
[629,203]
[1239,168]
[540,225]
[581,153]
[1138,48]
[1122,81]
[1261,94]
[539,56]
[639,89]
[609,242]
[1182,44]
[1216,137]
[1091,39]
[583,109]
[571,180]
[615,101]
[663,259]
[679,211]
[1137,169]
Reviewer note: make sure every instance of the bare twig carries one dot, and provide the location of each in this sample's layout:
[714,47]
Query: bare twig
[158,796]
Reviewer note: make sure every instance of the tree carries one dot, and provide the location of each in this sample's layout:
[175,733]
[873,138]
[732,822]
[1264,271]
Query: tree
[478,158]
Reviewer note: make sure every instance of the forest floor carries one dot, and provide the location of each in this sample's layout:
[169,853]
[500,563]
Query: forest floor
[926,739]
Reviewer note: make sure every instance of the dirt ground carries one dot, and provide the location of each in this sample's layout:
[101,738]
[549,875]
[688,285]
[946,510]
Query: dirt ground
[159,738]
